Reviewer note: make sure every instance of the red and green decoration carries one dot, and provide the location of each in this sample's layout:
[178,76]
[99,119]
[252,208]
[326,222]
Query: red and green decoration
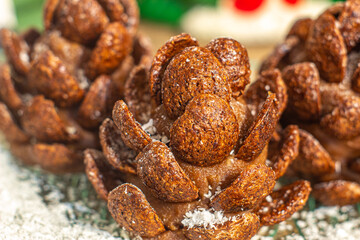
[168,11]
[171,11]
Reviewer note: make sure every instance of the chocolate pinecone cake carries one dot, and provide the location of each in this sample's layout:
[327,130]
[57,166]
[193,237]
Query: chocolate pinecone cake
[58,86]
[319,63]
[196,168]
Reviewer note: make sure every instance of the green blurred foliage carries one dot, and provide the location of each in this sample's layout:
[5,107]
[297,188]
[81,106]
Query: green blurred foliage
[29,13]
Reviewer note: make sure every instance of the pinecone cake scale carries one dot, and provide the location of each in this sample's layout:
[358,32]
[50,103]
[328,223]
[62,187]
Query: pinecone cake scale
[197,168]
[319,64]
[58,86]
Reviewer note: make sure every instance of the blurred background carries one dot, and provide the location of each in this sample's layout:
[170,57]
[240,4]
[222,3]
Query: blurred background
[257,24]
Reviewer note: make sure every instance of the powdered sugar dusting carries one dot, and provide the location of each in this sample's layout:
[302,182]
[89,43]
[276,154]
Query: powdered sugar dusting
[206,218]
[26,214]
[208,195]
[152,131]
[321,224]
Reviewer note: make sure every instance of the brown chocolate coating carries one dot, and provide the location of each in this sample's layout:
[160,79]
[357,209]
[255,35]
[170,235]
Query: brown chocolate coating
[349,23]
[253,184]
[260,133]
[160,172]
[23,152]
[303,83]
[57,158]
[115,151]
[313,159]
[161,121]
[142,51]
[301,28]
[269,80]
[234,57]
[16,50]
[128,206]
[219,176]
[114,9]
[49,76]
[279,53]
[327,106]
[111,49]
[338,192]
[354,165]
[284,203]
[9,127]
[287,150]
[244,226]
[162,58]
[131,132]
[8,93]
[169,235]
[47,86]
[207,131]
[355,80]
[71,54]
[80,21]
[343,122]
[335,9]
[101,175]
[49,11]
[124,11]
[193,71]
[30,36]
[93,108]
[136,95]
[242,113]
[193,105]
[41,112]
[325,47]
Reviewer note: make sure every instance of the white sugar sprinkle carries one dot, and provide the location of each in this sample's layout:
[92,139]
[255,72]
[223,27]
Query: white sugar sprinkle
[208,195]
[318,225]
[207,218]
[24,215]
[152,131]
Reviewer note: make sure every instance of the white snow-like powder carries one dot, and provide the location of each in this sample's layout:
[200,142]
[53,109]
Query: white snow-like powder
[207,218]
[24,215]
[208,195]
[152,131]
[319,225]
[149,127]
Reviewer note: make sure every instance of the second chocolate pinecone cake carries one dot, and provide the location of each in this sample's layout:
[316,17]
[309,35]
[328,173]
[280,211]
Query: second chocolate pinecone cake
[320,65]
[58,86]
[196,168]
